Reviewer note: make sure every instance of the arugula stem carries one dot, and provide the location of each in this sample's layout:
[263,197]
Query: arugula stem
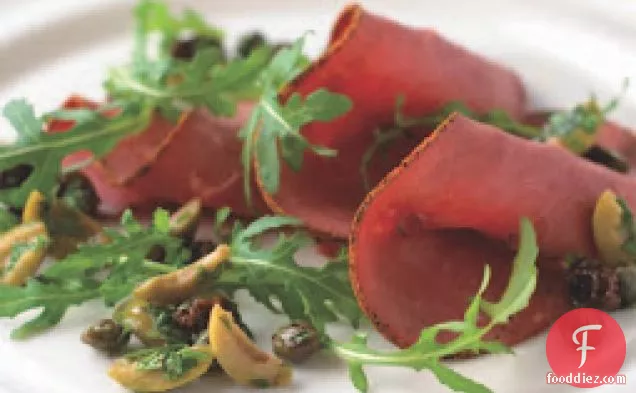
[238,260]
[398,358]
[123,78]
[157,267]
[68,297]
[134,123]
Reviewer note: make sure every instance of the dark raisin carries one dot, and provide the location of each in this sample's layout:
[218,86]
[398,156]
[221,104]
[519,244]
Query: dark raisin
[186,49]
[106,335]
[594,285]
[78,192]
[193,316]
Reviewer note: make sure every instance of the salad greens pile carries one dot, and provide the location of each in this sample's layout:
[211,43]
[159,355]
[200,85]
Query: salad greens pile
[271,275]
[157,81]
[109,271]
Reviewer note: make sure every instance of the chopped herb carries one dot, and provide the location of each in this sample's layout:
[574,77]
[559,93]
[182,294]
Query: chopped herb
[427,352]
[19,249]
[260,383]
[577,129]
[165,325]
[172,360]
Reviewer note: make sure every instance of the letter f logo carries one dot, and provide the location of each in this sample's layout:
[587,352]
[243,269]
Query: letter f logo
[584,347]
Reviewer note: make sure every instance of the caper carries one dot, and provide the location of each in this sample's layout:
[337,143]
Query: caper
[78,192]
[627,279]
[296,342]
[592,284]
[249,42]
[106,335]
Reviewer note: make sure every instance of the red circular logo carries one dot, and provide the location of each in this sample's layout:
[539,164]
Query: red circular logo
[585,348]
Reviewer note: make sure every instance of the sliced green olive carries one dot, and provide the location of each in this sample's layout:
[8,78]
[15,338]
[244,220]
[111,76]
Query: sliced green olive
[70,227]
[180,285]
[610,231]
[67,226]
[240,358]
[184,222]
[34,207]
[128,374]
[22,251]
[134,315]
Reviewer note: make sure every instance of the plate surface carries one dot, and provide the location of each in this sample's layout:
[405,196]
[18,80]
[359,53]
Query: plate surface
[563,49]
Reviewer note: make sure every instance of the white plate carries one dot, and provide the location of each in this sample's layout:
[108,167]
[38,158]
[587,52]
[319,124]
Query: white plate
[563,49]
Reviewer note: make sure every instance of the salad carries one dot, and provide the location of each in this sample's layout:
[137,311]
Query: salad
[455,219]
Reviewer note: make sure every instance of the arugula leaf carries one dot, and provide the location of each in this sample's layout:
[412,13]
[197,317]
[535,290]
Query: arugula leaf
[273,124]
[427,352]
[109,271]
[173,85]
[273,278]
[385,136]
[496,117]
[54,298]
[43,152]
[172,360]
[155,16]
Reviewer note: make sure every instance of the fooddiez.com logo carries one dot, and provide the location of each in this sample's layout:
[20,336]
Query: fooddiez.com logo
[586,348]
